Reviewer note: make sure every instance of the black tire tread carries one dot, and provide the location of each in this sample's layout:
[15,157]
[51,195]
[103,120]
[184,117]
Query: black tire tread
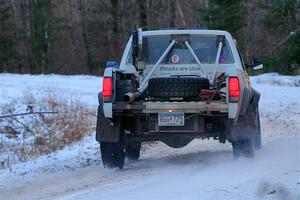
[246,147]
[133,151]
[112,155]
[176,87]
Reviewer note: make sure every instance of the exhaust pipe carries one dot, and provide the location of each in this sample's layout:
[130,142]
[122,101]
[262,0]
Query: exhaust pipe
[130,96]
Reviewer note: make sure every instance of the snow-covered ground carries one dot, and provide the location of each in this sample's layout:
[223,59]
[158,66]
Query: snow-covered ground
[72,96]
[83,87]
[201,170]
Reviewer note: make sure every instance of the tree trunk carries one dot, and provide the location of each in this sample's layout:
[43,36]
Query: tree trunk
[114,14]
[143,14]
[82,13]
[172,14]
[182,17]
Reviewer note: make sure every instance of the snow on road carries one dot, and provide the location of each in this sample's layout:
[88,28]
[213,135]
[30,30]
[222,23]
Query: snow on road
[201,170]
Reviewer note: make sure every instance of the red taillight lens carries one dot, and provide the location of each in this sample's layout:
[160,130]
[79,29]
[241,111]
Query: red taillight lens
[107,87]
[234,89]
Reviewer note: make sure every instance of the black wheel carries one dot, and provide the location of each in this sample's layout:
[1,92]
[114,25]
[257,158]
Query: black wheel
[176,87]
[133,150]
[112,155]
[244,135]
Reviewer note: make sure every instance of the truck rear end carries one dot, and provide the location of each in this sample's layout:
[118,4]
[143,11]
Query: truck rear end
[172,86]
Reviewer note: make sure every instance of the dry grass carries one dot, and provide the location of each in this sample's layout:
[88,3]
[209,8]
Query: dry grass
[27,137]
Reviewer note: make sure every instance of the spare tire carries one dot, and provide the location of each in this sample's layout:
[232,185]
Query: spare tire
[176,87]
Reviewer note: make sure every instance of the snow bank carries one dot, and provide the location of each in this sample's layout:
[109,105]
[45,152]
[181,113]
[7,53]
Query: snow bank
[81,87]
[276,79]
[279,105]
[78,155]
[43,93]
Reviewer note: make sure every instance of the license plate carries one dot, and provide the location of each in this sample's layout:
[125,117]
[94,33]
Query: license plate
[171,119]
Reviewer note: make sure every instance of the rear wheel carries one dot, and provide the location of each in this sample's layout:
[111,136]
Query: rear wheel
[112,155]
[133,150]
[245,130]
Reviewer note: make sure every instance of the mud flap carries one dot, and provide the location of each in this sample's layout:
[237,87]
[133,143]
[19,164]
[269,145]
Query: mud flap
[239,133]
[106,130]
[255,99]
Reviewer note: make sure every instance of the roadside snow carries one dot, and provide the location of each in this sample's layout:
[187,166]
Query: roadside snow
[83,87]
[16,93]
[201,170]
[276,79]
[279,105]
[80,154]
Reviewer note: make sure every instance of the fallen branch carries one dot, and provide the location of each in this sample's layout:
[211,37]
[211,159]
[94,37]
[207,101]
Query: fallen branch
[28,113]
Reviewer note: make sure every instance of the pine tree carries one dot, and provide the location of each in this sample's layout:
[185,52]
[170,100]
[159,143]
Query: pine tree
[282,24]
[39,38]
[224,15]
[228,15]
[8,40]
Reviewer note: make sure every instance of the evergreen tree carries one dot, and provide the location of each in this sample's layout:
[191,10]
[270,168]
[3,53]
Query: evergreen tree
[224,15]
[39,38]
[282,24]
[228,15]
[8,40]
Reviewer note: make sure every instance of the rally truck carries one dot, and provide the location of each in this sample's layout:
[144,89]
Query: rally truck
[174,86]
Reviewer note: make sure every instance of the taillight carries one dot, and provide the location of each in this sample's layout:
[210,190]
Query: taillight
[107,88]
[234,89]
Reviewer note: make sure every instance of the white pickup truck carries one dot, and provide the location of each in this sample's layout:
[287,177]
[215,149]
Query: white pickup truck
[174,86]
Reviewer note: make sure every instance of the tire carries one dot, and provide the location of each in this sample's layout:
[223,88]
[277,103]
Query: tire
[176,87]
[246,144]
[112,155]
[133,151]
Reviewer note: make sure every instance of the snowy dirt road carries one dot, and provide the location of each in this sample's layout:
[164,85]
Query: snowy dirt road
[201,170]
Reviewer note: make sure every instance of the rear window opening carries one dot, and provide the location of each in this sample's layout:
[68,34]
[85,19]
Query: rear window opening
[204,46]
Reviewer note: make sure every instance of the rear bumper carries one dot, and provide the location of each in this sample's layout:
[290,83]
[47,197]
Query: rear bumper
[158,107]
[201,120]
